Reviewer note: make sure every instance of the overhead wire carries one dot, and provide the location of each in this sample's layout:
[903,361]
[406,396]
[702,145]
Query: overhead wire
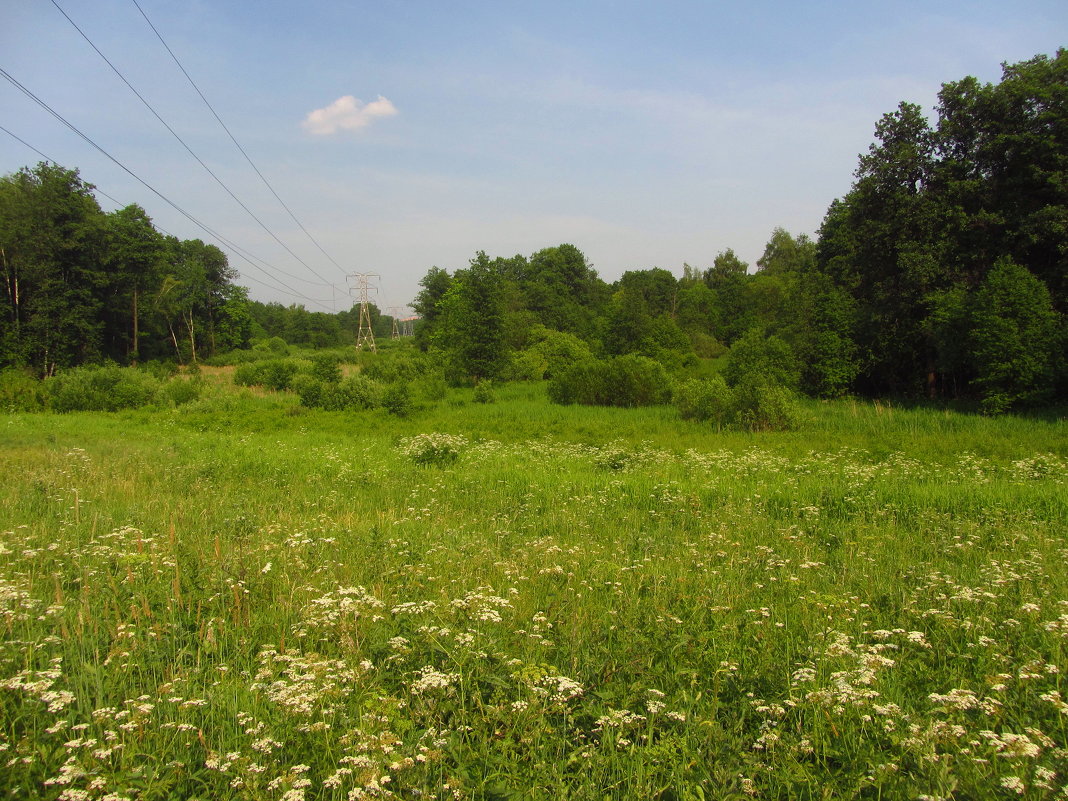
[189,150]
[119,204]
[234,139]
[203,226]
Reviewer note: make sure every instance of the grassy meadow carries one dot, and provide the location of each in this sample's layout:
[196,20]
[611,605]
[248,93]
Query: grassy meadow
[244,599]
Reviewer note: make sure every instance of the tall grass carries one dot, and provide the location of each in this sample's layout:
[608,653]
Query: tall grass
[242,598]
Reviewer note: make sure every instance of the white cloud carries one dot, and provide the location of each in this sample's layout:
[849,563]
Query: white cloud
[347,114]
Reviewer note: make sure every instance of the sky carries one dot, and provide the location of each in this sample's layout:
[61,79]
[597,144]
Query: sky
[405,135]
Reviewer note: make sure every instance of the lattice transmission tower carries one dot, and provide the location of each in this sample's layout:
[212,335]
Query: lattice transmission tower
[361,286]
[395,313]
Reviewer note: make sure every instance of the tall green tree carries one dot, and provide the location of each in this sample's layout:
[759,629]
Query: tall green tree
[934,209]
[1014,338]
[435,285]
[52,249]
[728,277]
[470,322]
[135,258]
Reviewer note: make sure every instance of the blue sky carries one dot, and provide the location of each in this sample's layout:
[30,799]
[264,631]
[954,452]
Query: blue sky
[406,135]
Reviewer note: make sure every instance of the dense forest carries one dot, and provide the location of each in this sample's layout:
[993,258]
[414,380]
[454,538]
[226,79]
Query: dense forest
[942,273]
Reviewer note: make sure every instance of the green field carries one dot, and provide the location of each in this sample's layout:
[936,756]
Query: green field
[241,598]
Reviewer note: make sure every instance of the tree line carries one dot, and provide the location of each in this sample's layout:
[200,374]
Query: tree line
[81,285]
[942,272]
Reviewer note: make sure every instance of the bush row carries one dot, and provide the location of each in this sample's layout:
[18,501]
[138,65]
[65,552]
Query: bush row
[755,405]
[104,388]
[630,380]
[755,401]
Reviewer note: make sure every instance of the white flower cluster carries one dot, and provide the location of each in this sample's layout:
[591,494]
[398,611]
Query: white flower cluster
[433,448]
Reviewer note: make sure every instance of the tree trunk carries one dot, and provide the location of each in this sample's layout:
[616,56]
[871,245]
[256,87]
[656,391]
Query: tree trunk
[174,339]
[192,339]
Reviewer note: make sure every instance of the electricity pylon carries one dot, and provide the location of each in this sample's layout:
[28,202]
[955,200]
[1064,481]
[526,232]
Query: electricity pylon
[360,283]
[395,313]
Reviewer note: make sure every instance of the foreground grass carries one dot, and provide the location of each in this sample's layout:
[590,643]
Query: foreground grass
[239,599]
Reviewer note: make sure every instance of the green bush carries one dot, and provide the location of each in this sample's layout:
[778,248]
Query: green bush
[705,399]
[179,391]
[106,388]
[20,391]
[629,380]
[433,387]
[484,392]
[310,389]
[395,365]
[707,346]
[1015,339]
[397,400]
[326,368]
[551,353]
[163,369]
[585,383]
[248,375]
[273,374]
[758,358]
[355,393]
[352,394]
[275,345]
[639,381]
[764,406]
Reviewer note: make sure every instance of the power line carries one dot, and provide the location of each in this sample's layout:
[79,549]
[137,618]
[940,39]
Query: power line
[203,226]
[189,150]
[120,204]
[234,139]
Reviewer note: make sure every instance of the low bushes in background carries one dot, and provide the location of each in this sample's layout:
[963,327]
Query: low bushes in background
[629,380]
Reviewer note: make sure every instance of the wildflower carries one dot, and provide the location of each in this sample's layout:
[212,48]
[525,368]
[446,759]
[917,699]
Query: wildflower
[1014,784]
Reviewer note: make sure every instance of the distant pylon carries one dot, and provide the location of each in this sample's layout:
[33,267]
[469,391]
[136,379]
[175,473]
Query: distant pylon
[360,284]
[395,312]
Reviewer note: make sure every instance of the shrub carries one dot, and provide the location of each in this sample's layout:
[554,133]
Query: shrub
[248,375]
[275,345]
[20,391]
[757,358]
[707,346]
[584,382]
[106,388]
[178,391]
[326,368]
[763,406]
[162,369]
[614,457]
[1015,338]
[352,394]
[393,366]
[484,392]
[273,374]
[638,381]
[629,380]
[397,399]
[278,374]
[433,387]
[705,399]
[551,353]
[309,388]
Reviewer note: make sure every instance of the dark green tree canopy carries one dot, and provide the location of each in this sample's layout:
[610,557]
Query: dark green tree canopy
[81,285]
